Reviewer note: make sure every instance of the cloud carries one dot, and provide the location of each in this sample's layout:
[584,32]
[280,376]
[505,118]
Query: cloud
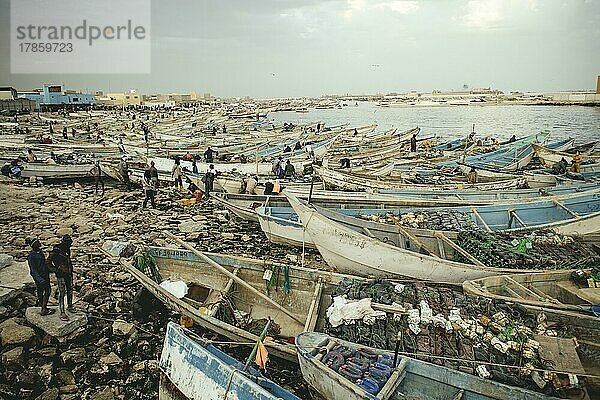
[484,14]
[363,6]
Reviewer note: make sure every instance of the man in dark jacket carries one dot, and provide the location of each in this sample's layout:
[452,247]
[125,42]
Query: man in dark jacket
[40,274]
[59,260]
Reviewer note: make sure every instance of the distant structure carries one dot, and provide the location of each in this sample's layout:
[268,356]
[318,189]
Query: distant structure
[54,97]
[9,103]
[130,98]
[598,84]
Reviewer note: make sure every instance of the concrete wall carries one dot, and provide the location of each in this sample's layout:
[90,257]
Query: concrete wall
[49,97]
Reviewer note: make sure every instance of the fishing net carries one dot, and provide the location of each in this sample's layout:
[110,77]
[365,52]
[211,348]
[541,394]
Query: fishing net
[435,219]
[457,328]
[542,249]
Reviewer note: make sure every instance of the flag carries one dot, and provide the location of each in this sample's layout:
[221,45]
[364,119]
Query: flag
[262,356]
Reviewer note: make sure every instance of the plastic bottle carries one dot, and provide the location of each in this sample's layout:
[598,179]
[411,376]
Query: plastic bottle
[369,385]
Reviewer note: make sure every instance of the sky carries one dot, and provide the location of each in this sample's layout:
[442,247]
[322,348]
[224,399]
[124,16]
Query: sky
[284,48]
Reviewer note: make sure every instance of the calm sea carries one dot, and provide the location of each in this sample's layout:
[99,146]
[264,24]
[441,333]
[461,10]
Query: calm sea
[581,123]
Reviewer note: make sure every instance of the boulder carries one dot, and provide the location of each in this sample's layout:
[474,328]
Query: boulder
[122,328]
[53,325]
[65,377]
[190,226]
[111,359]
[64,231]
[13,357]
[103,394]
[75,355]
[50,394]
[14,333]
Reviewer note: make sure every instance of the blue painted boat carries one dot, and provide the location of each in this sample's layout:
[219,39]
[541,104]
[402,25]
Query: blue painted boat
[451,145]
[410,378]
[197,370]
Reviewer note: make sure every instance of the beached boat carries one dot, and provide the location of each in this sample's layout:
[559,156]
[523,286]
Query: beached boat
[191,366]
[410,378]
[355,253]
[55,171]
[551,289]
[346,181]
[549,156]
[349,245]
[212,294]
[283,228]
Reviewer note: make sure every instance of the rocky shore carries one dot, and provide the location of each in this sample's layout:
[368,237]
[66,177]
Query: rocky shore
[114,356]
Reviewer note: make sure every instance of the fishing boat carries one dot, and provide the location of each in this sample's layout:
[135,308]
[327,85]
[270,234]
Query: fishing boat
[194,369]
[55,171]
[548,156]
[367,248]
[551,289]
[213,298]
[346,181]
[410,378]
[282,227]
[553,292]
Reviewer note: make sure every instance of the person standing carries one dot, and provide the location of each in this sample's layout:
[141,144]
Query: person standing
[60,262]
[96,172]
[124,171]
[38,269]
[64,132]
[150,183]
[289,170]
[209,179]
[413,143]
[208,155]
[176,174]
[194,166]
[576,166]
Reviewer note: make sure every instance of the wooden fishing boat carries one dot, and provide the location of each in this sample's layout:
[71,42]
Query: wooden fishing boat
[368,248]
[548,156]
[480,196]
[410,378]
[191,366]
[55,171]
[355,253]
[212,294]
[551,289]
[233,184]
[345,181]
[283,228]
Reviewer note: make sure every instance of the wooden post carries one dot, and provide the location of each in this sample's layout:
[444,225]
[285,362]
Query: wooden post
[236,278]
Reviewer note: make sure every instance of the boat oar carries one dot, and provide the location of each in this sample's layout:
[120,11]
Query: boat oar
[231,275]
[255,348]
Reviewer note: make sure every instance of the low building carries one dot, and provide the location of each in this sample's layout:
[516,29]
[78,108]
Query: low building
[52,97]
[130,98]
[9,103]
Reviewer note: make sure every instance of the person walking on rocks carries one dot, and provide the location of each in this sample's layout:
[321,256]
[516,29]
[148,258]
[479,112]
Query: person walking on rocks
[150,183]
[124,171]
[96,172]
[40,274]
[176,174]
[60,262]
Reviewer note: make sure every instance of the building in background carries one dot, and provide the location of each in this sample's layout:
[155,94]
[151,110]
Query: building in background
[598,84]
[9,103]
[130,98]
[54,97]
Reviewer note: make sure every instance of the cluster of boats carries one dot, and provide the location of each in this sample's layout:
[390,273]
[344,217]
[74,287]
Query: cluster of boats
[377,212]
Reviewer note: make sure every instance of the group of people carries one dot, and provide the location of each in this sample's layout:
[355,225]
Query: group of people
[281,170]
[58,262]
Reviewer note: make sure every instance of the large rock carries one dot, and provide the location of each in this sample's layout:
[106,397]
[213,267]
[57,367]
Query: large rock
[122,328]
[53,325]
[75,356]
[15,277]
[50,394]
[111,359]
[13,333]
[190,226]
[64,231]
[13,358]
[103,394]
[5,260]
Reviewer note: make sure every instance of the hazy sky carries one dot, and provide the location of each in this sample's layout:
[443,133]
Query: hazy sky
[268,48]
